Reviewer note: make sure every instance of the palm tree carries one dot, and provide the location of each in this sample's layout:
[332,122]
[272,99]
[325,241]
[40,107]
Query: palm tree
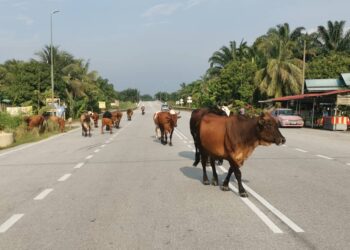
[225,55]
[333,37]
[282,73]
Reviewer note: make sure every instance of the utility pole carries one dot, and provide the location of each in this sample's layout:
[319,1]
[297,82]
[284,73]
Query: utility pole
[302,88]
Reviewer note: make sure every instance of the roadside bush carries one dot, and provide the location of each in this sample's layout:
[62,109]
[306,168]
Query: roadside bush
[8,122]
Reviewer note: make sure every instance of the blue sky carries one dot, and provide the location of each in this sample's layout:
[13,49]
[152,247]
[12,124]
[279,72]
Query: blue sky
[152,45]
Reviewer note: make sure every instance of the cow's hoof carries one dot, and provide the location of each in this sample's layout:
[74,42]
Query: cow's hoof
[225,188]
[206,182]
[243,194]
[214,182]
[170,144]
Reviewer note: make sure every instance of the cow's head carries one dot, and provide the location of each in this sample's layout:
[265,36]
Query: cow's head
[268,130]
[174,116]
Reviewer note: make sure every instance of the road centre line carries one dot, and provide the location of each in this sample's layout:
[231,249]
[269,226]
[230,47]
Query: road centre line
[325,157]
[255,209]
[43,194]
[97,150]
[79,165]
[10,222]
[274,210]
[89,157]
[181,134]
[301,150]
[64,177]
[178,135]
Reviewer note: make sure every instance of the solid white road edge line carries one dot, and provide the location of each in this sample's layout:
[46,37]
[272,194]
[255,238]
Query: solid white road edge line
[325,157]
[64,177]
[301,150]
[79,165]
[10,222]
[43,194]
[255,209]
[89,157]
[274,210]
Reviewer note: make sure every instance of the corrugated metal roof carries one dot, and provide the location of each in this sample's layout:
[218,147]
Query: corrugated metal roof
[305,96]
[346,78]
[319,85]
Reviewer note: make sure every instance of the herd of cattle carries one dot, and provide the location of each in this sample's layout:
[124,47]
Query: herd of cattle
[217,135]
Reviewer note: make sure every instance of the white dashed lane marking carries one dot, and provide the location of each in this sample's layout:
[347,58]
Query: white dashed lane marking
[64,177]
[10,222]
[97,150]
[79,165]
[43,194]
[301,150]
[89,157]
[325,157]
[348,164]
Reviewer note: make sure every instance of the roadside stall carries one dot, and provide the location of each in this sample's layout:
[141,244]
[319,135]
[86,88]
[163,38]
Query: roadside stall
[329,110]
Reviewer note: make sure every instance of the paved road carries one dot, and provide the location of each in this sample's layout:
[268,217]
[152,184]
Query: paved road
[127,191]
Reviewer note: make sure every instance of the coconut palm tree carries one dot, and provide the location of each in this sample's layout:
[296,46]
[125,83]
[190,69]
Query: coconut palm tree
[333,37]
[281,75]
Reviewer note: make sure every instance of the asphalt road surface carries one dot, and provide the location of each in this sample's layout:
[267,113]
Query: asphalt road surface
[128,191]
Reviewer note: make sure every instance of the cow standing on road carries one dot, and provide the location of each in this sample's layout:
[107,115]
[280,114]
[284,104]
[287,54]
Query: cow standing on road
[166,122]
[129,114]
[85,120]
[95,117]
[107,121]
[116,118]
[234,138]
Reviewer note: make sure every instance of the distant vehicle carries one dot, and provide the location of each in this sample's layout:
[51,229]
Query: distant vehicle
[287,118]
[164,107]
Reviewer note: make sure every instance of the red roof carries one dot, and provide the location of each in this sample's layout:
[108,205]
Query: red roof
[306,96]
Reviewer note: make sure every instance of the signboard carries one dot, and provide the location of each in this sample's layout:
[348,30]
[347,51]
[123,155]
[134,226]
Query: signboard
[343,100]
[116,103]
[55,100]
[102,105]
[14,111]
[189,99]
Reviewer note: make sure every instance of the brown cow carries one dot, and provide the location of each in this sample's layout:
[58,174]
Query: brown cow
[85,120]
[195,119]
[95,117]
[116,118]
[59,121]
[35,121]
[107,122]
[166,122]
[129,114]
[234,138]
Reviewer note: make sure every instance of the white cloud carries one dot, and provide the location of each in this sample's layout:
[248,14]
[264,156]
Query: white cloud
[25,19]
[167,9]
[192,3]
[162,10]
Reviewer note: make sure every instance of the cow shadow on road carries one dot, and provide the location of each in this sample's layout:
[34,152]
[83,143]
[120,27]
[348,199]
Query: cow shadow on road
[196,173]
[187,155]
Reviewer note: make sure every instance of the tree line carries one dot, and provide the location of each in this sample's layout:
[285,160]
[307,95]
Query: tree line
[28,83]
[272,66]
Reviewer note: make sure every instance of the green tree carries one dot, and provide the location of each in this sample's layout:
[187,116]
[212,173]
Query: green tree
[282,73]
[333,38]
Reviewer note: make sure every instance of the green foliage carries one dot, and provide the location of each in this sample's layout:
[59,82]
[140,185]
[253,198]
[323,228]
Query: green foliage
[9,123]
[328,66]
[131,95]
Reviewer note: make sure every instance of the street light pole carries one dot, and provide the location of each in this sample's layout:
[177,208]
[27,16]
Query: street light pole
[51,52]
